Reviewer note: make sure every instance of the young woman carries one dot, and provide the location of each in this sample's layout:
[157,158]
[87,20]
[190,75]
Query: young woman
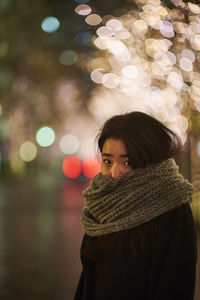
[140,239]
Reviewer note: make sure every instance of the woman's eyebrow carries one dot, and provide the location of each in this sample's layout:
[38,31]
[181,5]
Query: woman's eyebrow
[109,154]
[106,154]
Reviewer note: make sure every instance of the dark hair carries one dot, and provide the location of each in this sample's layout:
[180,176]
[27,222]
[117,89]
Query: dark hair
[147,140]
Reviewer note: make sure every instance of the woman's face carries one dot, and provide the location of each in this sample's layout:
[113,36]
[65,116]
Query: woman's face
[115,161]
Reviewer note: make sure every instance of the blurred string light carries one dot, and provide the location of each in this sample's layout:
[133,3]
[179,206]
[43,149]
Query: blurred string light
[68,57]
[69,144]
[71,166]
[28,151]
[45,136]
[147,60]
[50,24]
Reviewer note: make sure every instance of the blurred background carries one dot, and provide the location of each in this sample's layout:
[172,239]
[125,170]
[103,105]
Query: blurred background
[65,67]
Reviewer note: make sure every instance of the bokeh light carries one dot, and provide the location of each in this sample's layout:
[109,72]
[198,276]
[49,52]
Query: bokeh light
[166,29]
[148,64]
[186,64]
[189,54]
[68,57]
[130,71]
[28,151]
[194,8]
[114,25]
[45,136]
[96,75]
[50,24]
[71,166]
[83,9]
[91,166]
[110,80]
[69,144]
[93,20]
[104,31]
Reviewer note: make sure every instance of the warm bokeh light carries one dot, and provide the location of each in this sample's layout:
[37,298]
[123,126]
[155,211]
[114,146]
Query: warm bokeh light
[104,31]
[148,63]
[96,75]
[50,24]
[186,64]
[91,167]
[194,8]
[166,29]
[45,136]
[189,54]
[83,9]
[144,57]
[100,43]
[71,166]
[28,151]
[130,71]
[110,80]
[141,26]
[114,25]
[93,20]
[69,144]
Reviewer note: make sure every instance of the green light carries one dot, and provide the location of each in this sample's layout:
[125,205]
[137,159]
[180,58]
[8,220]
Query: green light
[45,136]
[50,24]
[68,57]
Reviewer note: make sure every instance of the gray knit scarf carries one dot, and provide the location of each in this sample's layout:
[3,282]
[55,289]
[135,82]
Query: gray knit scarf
[133,198]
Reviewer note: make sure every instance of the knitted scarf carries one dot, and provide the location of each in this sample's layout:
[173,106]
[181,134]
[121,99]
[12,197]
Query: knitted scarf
[133,198]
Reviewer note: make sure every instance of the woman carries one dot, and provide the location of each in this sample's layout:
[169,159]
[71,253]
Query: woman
[140,239]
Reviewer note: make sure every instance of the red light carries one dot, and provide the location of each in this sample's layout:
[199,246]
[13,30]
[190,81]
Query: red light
[72,166]
[91,166]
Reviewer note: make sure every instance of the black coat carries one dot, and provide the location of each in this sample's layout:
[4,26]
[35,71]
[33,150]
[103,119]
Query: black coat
[165,271]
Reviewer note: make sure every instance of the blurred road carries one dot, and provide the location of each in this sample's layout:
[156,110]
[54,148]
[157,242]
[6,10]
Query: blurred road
[40,236]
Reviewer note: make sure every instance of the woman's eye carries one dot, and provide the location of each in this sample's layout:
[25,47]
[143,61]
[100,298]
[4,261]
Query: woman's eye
[107,161]
[127,162]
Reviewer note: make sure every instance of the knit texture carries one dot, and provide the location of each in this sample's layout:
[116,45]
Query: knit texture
[135,197]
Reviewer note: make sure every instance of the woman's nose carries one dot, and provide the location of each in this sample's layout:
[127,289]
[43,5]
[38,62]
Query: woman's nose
[115,171]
